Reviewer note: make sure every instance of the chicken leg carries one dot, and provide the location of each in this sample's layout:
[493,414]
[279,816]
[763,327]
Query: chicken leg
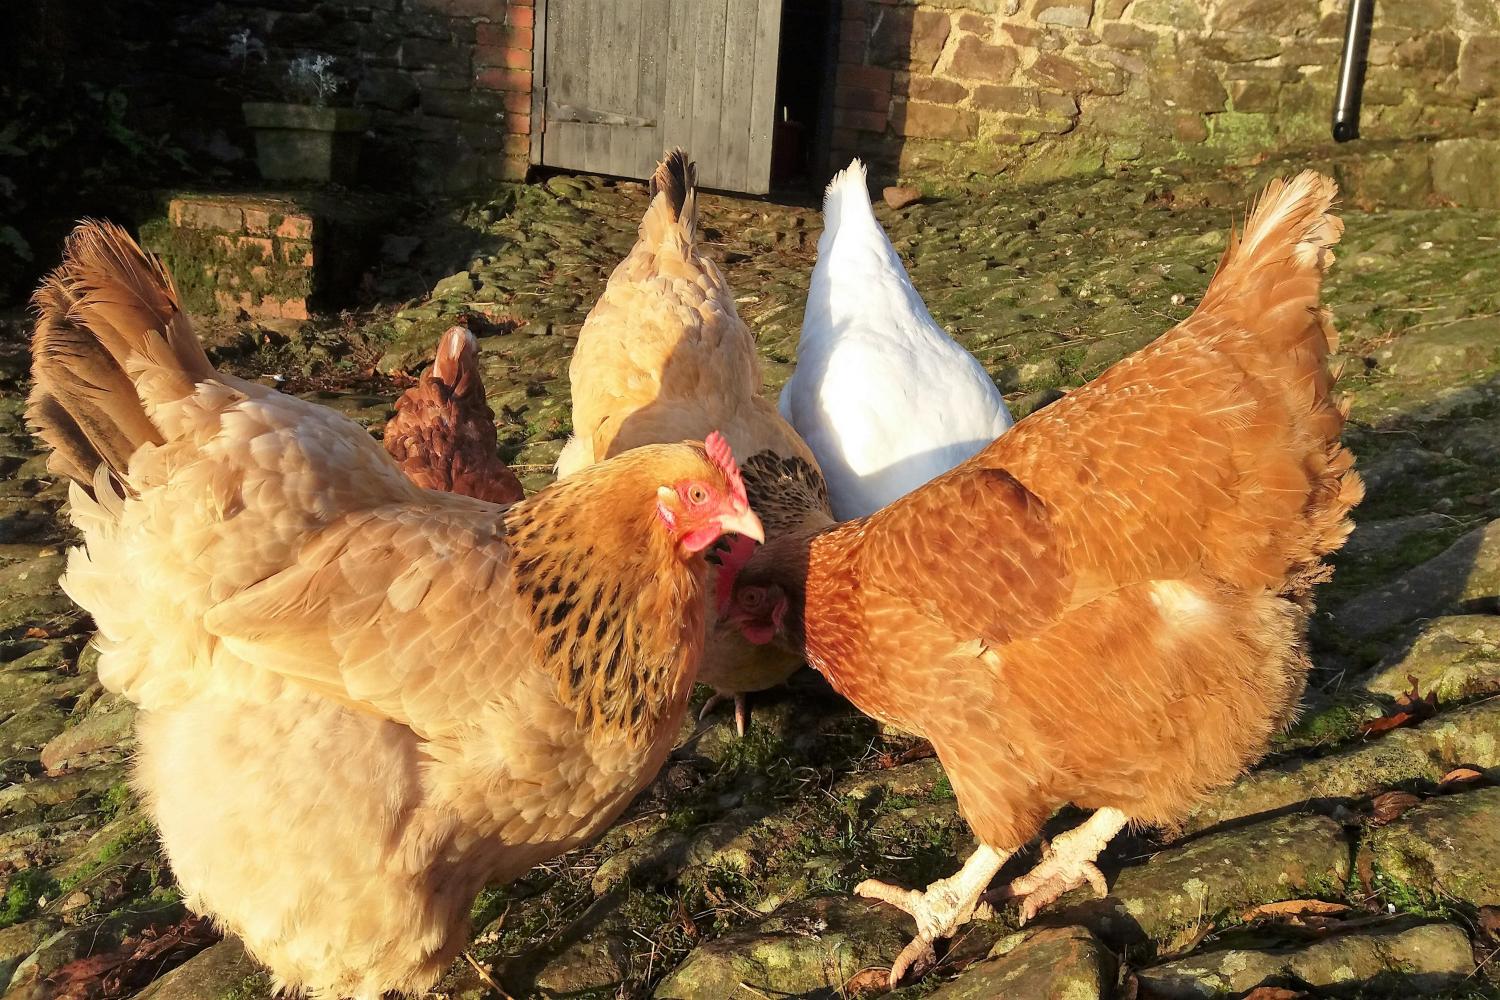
[741,709]
[940,909]
[1067,864]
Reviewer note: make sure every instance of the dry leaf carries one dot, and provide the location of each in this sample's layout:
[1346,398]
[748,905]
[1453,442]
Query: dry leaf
[37,633]
[921,751]
[1459,776]
[1489,922]
[1411,708]
[1389,807]
[138,960]
[1293,908]
[868,982]
[1274,993]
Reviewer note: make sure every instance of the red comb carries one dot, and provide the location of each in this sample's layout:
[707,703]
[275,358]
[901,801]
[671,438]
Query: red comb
[731,561]
[721,456]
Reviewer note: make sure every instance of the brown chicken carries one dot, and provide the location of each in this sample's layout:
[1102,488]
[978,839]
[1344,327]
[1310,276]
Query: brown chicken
[443,434]
[1108,605]
[361,701]
[664,353]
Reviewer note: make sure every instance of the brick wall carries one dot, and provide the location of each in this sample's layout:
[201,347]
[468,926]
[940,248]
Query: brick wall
[448,82]
[1052,87]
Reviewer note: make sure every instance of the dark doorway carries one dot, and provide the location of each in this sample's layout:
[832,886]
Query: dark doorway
[804,94]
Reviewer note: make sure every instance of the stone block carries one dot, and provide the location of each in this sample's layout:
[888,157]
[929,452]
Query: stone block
[1013,100]
[933,121]
[1467,172]
[1076,76]
[1180,15]
[1268,17]
[1188,86]
[1479,67]
[979,60]
[930,88]
[1066,13]
[1128,36]
[1254,95]
[902,38]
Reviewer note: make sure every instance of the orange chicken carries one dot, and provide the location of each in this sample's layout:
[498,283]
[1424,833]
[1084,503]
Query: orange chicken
[1108,605]
[443,434]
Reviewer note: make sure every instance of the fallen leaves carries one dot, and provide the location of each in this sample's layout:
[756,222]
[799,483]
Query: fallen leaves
[921,751]
[1411,708]
[1274,993]
[1304,914]
[867,982]
[139,959]
[1388,807]
[1460,777]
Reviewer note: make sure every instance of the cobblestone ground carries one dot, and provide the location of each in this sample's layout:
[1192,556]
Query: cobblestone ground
[731,876]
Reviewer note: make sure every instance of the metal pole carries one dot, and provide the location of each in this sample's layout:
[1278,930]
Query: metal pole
[1352,70]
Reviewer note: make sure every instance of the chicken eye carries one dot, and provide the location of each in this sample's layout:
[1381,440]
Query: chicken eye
[751,598]
[697,495]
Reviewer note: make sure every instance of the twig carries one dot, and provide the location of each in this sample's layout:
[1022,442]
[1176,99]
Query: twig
[489,980]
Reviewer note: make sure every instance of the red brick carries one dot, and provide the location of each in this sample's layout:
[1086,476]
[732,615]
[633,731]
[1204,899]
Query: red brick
[861,100]
[852,47]
[486,57]
[492,34]
[190,214]
[516,145]
[521,17]
[868,77]
[296,227]
[297,254]
[868,121]
[282,308]
[523,3]
[843,140]
[498,78]
[854,10]
[518,124]
[517,103]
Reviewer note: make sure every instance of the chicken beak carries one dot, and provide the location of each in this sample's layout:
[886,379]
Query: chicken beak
[743,522]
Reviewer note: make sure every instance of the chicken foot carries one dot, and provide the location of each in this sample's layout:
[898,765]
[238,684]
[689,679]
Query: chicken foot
[741,709]
[940,909]
[1067,864]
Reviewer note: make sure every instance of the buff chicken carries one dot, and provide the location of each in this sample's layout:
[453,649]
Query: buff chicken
[664,353]
[361,700]
[443,434]
[1108,605]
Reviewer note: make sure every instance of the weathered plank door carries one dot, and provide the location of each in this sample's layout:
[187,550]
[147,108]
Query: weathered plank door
[619,81]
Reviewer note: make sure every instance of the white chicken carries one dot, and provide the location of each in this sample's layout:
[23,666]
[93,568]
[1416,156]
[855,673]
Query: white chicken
[883,396]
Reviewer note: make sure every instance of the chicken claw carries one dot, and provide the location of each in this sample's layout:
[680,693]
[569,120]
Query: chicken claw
[1067,864]
[741,710]
[939,910]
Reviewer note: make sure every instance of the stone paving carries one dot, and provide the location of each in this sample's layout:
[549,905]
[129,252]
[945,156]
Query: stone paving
[730,877]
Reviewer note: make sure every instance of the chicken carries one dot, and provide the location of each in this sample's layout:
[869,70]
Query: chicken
[1108,605]
[443,434]
[664,353]
[361,701]
[884,398]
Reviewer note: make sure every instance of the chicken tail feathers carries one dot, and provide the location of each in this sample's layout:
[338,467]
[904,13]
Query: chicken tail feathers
[111,341]
[1268,286]
[676,176]
[846,200]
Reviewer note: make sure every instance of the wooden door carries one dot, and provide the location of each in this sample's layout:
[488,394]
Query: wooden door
[619,81]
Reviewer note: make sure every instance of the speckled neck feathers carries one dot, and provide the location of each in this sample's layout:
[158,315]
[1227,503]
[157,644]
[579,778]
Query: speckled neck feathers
[620,644]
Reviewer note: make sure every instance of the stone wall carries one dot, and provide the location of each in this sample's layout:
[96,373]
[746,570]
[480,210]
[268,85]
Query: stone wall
[448,81]
[1056,87]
